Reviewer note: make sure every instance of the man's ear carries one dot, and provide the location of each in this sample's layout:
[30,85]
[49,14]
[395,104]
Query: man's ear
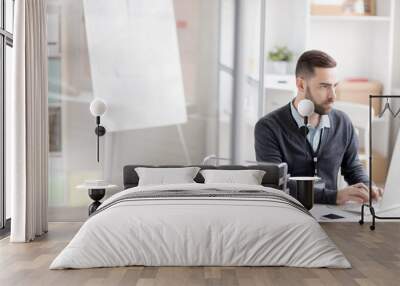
[301,84]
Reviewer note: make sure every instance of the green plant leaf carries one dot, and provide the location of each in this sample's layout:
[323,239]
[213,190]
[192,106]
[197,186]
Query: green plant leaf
[280,53]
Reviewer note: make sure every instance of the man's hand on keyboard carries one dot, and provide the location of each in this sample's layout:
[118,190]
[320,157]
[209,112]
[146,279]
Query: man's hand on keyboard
[357,193]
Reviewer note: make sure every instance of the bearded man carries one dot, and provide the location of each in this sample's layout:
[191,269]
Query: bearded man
[331,144]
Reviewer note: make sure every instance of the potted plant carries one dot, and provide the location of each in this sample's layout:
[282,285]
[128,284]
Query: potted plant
[280,56]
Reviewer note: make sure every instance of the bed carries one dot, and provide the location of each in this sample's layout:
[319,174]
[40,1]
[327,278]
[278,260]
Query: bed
[202,224]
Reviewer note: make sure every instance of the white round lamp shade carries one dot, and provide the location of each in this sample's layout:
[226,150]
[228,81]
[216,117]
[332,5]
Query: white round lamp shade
[305,107]
[98,107]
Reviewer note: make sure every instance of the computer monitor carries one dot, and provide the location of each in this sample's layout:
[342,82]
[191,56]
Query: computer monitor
[391,196]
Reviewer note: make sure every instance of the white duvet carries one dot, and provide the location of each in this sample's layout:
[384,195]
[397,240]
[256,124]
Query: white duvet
[200,231]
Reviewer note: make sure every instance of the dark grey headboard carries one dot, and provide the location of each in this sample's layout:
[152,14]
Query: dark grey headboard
[275,174]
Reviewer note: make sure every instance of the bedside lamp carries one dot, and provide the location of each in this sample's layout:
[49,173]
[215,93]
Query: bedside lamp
[98,107]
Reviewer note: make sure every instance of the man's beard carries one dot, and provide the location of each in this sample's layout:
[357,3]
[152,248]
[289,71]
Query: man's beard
[318,108]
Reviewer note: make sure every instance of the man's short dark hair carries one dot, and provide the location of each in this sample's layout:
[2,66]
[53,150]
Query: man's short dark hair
[313,59]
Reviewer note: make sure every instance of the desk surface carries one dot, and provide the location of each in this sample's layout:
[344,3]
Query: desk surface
[319,210]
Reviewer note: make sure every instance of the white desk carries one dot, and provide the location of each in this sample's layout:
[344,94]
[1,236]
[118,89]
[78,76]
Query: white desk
[281,82]
[286,82]
[279,90]
[319,210]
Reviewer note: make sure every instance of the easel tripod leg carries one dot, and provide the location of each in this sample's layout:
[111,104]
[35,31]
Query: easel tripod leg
[372,227]
[361,221]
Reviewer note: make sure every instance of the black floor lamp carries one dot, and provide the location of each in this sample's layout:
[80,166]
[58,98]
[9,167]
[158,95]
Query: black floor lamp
[393,113]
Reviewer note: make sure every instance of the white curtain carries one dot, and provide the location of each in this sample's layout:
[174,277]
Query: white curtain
[28,123]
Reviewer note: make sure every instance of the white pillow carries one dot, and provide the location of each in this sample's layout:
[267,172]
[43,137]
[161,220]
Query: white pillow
[162,176]
[248,177]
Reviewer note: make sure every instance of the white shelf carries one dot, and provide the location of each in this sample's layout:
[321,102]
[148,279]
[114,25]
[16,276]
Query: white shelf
[352,18]
[286,82]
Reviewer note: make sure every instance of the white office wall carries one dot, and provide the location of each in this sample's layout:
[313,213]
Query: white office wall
[198,44]
[353,55]
[285,25]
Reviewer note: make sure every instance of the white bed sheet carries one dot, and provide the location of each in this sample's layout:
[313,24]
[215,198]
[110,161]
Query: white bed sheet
[200,231]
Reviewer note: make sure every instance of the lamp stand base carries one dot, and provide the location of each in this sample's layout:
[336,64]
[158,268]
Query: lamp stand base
[96,195]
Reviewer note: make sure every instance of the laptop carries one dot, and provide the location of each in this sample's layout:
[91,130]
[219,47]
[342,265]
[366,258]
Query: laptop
[391,196]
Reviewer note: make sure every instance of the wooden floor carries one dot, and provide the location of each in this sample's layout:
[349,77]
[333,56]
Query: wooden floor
[375,257]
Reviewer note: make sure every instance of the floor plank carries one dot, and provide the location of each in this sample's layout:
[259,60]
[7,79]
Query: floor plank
[375,257]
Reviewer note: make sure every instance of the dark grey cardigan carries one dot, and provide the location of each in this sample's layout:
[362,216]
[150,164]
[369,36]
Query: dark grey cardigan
[278,139]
